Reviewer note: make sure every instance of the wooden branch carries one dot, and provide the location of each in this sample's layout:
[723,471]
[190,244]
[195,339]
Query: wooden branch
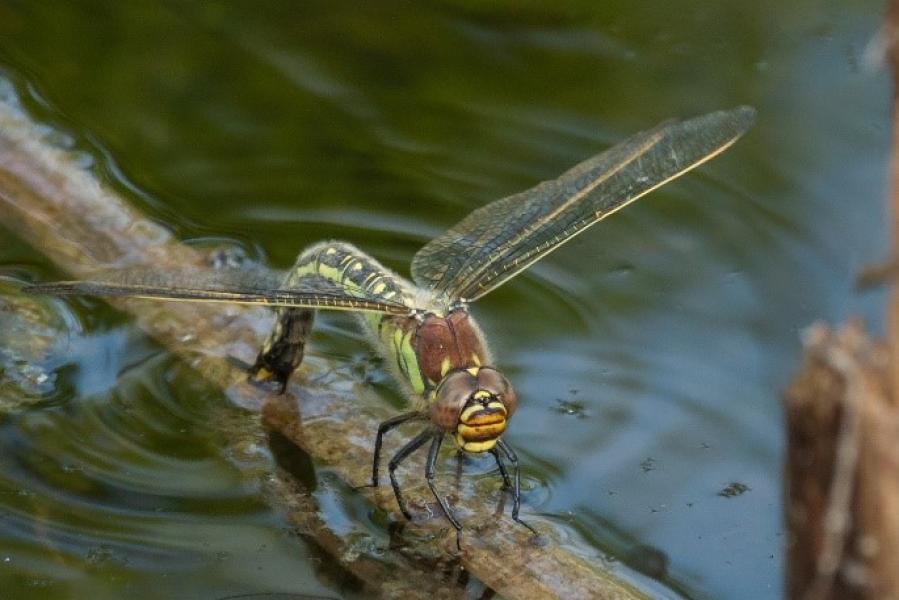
[842,463]
[842,473]
[64,212]
[890,33]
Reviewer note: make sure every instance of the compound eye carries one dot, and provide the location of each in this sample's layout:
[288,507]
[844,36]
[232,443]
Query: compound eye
[452,394]
[495,383]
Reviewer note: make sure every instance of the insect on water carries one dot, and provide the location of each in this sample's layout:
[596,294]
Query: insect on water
[424,329]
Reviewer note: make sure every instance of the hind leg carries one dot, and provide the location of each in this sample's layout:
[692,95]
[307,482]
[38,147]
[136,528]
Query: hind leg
[283,350]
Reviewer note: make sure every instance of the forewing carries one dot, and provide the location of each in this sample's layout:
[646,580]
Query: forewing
[499,240]
[235,286]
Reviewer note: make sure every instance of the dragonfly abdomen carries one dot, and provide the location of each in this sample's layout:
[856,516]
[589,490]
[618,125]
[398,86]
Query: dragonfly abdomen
[353,271]
[356,272]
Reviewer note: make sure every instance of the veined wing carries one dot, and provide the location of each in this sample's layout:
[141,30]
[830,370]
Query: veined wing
[499,240]
[235,286]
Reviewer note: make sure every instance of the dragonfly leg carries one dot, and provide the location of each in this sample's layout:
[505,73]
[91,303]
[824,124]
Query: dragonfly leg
[403,453]
[383,428]
[282,352]
[507,483]
[516,487]
[429,476]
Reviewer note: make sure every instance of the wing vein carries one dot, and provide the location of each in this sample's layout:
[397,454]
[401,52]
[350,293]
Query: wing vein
[499,240]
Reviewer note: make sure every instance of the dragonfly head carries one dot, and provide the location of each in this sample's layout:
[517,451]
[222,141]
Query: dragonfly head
[474,404]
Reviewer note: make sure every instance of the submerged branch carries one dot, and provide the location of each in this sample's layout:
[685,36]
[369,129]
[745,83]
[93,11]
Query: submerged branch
[83,227]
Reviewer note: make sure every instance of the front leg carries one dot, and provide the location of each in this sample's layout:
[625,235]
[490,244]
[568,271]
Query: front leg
[283,350]
[516,483]
[429,476]
[401,455]
[507,483]
[383,428]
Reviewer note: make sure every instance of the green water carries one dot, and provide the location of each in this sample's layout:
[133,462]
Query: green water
[648,354]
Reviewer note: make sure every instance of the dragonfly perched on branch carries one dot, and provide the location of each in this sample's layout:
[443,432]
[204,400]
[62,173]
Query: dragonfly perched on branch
[424,329]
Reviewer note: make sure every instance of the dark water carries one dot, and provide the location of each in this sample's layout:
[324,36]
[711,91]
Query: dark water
[649,354]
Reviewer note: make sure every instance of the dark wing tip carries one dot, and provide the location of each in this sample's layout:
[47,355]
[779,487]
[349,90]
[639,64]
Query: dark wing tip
[746,115]
[741,117]
[745,109]
[725,124]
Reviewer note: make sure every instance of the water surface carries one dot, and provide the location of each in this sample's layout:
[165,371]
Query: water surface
[649,354]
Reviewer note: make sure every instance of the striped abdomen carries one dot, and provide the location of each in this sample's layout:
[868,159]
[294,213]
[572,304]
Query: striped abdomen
[340,263]
[350,268]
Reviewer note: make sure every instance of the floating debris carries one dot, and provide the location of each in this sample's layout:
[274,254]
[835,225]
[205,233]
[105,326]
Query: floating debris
[571,408]
[734,489]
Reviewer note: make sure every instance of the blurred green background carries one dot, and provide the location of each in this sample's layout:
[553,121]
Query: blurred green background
[649,354]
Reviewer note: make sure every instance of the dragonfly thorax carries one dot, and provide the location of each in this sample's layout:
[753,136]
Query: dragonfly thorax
[475,404]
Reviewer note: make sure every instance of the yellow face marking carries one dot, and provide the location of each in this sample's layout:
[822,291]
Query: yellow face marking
[480,394]
[481,432]
[475,447]
[474,371]
[445,366]
[475,358]
[484,420]
[466,415]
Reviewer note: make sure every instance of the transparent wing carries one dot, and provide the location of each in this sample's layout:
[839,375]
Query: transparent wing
[235,286]
[499,240]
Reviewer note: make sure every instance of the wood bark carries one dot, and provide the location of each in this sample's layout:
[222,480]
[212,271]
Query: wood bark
[842,482]
[842,461]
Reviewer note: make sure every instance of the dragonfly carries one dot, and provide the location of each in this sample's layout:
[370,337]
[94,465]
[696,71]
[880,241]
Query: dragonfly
[423,327]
